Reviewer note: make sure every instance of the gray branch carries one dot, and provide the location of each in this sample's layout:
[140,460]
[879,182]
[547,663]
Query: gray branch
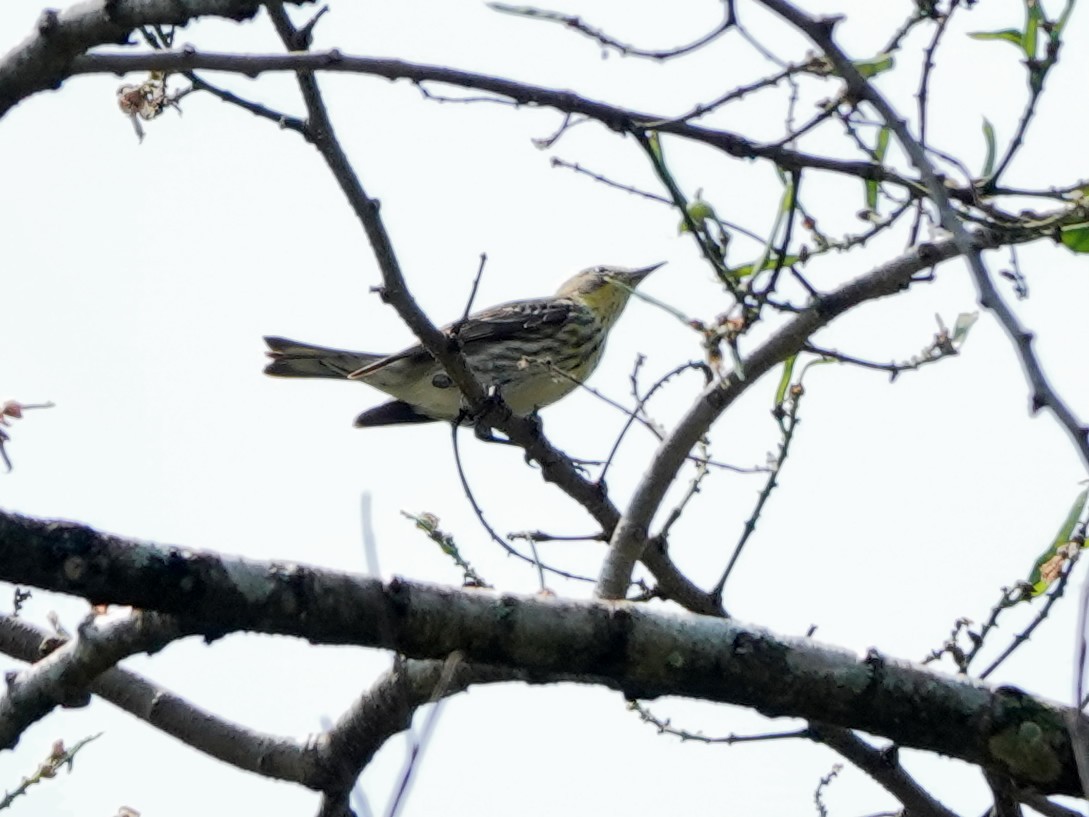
[630,537]
[884,767]
[43,60]
[62,678]
[640,651]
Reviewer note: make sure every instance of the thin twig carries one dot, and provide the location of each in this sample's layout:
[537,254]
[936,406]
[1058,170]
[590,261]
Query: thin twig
[577,24]
[787,424]
[495,537]
[1043,393]
[666,727]
[884,767]
[1054,594]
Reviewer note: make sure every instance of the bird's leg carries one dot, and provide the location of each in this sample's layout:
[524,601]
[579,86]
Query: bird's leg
[486,434]
[534,419]
[478,419]
[481,430]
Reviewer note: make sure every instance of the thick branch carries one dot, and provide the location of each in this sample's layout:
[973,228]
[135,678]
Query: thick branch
[387,709]
[63,677]
[630,537]
[272,756]
[43,60]
[629,647]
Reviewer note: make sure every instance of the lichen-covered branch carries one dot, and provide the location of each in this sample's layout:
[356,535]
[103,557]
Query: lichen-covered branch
[640,651]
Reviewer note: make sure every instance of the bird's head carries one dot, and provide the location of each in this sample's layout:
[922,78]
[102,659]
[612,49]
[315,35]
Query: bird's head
[604,290]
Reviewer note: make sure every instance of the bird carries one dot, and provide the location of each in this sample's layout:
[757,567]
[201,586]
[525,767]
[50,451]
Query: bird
[530,352]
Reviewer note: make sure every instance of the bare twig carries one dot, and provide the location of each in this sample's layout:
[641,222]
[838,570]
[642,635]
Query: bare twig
[884,767]
[59,757]
[666,727]
[1043,394]
[577,24]
[788,422]
[630,537]
[616,118]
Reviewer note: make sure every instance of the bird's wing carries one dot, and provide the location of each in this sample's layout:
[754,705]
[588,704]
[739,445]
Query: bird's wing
[510,320]
[494,324]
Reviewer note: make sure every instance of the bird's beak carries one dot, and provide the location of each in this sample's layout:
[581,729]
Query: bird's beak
[634,277]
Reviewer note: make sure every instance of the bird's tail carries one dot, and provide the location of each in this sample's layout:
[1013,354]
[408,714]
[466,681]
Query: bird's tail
[290,358]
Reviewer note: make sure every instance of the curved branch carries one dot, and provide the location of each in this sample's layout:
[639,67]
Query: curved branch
[630,537]
[62,677]
[643,652]
[272,756]
[576,23]
[43,60]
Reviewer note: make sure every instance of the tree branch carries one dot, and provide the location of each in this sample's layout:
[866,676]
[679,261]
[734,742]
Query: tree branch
[1043,394]
[269,755]
[630,536]
[622,120]
[62,677]
[43,60]
[640,651]
[884,768]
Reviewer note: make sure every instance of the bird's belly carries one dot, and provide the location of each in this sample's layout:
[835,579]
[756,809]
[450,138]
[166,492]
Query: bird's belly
[525,386]
[534,390]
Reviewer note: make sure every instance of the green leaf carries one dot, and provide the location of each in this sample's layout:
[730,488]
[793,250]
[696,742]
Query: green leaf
[784,381]
[698,211]
[1075,237]
[819,361]
[882,146]
[964,322]
[988,137]
[745,270]
[1010,35]
[770,254]
[655,144]
[1049,565]
[875,65]
[1060,24]
[1034,16]
[879,151]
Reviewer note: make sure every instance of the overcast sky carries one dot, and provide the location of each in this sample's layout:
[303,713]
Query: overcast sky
[139,279]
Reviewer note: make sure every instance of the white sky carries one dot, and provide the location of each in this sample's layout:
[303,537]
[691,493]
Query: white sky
[141,277]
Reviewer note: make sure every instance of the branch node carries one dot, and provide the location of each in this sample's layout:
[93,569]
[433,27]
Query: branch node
[891,755]
[927,252]
[305,35]
[48,22]
[828,24]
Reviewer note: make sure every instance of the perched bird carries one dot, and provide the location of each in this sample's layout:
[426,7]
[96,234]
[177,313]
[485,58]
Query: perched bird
[531,352]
